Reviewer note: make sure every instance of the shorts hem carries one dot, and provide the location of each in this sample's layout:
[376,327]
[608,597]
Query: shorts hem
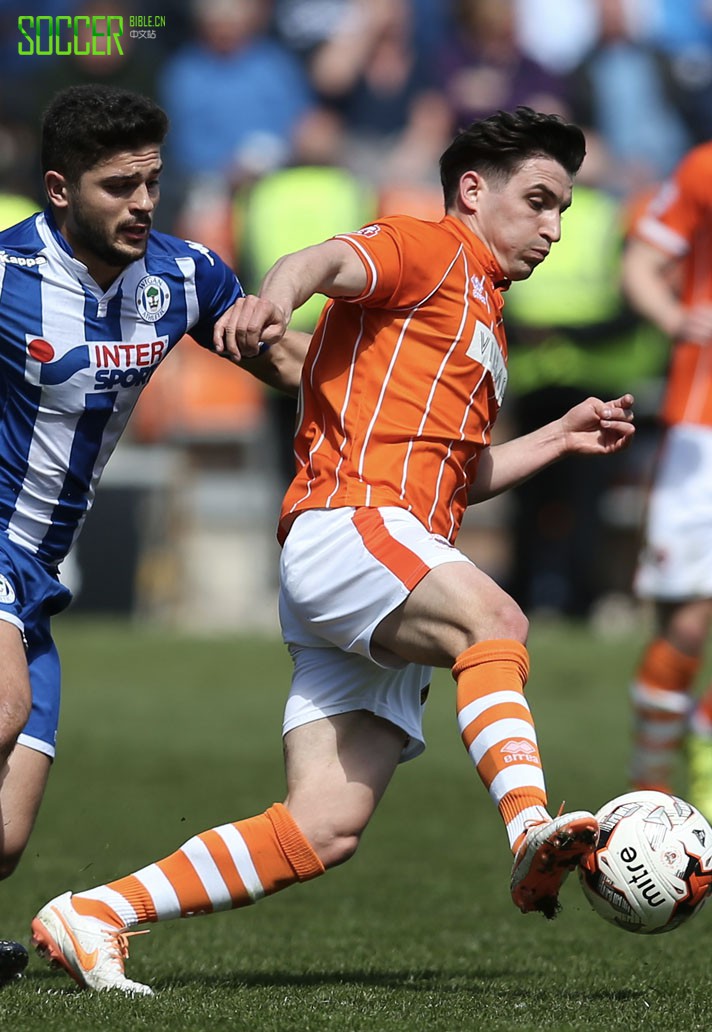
[367,635]
[414,746]
[37,744]
[12,619]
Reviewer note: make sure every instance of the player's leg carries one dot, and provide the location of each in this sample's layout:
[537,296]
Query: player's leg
[458,616]
[23,774]
[661,691]
[22,787]
[689,632]
[675,571]
[15,692]
[337,770]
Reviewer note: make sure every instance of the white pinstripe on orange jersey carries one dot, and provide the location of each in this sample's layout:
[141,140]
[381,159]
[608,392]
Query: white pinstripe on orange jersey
[402,385]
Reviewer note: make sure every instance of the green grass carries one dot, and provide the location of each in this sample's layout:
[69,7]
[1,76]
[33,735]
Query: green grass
[163,736]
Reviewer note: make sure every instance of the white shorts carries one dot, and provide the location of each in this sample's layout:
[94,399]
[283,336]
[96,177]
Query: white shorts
[676,558]
[341,572]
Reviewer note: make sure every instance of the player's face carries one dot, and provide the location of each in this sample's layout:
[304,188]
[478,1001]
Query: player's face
[520,219]
[110,211]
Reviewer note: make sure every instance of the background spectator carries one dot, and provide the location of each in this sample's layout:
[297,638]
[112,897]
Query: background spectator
[621,89]
[482,66]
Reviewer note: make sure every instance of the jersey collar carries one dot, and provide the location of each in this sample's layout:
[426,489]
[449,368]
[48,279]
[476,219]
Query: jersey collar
[483,254]
[79,269]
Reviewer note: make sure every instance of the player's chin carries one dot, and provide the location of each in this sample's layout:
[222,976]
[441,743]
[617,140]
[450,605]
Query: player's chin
[524,268]
[131,250]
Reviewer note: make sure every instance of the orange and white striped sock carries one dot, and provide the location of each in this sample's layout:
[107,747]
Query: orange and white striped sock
[660,694]
[701,716]
[227,867]
[497,729]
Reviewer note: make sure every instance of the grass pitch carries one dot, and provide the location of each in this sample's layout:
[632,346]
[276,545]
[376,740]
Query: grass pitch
[163,736]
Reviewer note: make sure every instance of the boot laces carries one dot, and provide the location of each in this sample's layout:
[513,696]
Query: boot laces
[118,943]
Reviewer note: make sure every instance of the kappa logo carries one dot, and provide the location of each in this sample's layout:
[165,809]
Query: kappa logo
[369,231]
[7,592]
[202,249]
[153,297]
[18,259]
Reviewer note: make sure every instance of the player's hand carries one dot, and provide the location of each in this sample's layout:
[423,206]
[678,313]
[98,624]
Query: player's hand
[598,427]
[248,323]
[696,324]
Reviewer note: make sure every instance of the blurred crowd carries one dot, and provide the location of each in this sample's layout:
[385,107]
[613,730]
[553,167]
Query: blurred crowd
[293,119]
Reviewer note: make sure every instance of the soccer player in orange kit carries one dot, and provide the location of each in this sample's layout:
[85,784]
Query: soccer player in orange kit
[401,387]
[667,276]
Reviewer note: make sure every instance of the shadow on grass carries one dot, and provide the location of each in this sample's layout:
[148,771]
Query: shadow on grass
[477,982]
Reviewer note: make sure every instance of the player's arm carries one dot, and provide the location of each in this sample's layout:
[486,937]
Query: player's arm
[648,278]
[332,268]
[593,427]
[280,366]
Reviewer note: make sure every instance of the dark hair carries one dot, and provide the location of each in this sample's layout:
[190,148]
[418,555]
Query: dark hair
[83,125]
[498,145]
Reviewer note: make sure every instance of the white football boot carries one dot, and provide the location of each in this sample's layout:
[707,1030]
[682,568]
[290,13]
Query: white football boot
[90,950]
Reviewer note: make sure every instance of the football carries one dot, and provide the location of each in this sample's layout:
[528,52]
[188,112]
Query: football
[652,868]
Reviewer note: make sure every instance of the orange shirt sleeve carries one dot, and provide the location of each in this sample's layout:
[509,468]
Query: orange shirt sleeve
[401,267]
[681,205]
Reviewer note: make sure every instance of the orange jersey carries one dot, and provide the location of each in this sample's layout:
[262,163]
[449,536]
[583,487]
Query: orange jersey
[678,221]
[401,386]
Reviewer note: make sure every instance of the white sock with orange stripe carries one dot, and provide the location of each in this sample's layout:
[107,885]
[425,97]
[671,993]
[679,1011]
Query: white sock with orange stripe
[498,731]
[227,867]
[660,694]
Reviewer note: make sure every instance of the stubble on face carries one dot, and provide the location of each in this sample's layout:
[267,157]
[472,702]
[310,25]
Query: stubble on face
[94,233]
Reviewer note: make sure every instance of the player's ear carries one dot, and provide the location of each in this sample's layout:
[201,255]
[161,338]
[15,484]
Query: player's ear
[57,189]
[470,189]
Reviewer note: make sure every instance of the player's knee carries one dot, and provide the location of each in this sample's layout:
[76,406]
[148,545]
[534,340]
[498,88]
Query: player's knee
[14,714]
[511,621]
[338,849]
[334,842]
[687,626]
[504,619]
[10,858]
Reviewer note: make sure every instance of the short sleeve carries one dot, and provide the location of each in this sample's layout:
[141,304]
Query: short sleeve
[682,203]
[217,287]
[402,258]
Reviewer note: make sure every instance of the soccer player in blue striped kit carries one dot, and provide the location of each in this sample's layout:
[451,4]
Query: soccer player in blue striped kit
[92,300]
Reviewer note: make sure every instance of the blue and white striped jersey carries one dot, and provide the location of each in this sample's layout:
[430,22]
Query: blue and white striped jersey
[73,361]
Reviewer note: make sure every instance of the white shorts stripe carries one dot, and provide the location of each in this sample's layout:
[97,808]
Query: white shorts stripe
[478,706]
[242,859]
[30,742]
